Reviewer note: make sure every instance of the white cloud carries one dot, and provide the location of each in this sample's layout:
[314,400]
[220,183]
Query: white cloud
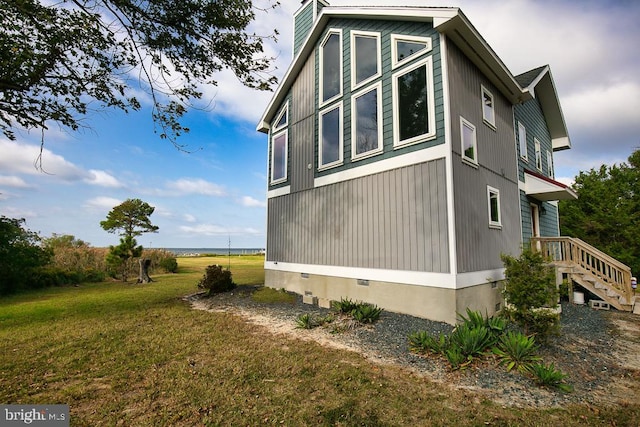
[102,203]
[250,202]
[13,212]
[22,158]
[217,230]
[13,181]
[103,179]
[189,218]
[186,186]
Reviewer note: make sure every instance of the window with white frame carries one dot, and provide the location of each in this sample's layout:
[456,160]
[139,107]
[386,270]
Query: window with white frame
[406,48]
[282,118]
[331,140]
[493,197]
[550,164]
[365,57]
[538,151]
[488,108]
[413,104]
[522,140]
[279,154]
[331,66]
[469,141]
[366,122]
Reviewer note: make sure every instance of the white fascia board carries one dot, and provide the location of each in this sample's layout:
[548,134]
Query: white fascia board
[559,144]
[416,278]
[281,191]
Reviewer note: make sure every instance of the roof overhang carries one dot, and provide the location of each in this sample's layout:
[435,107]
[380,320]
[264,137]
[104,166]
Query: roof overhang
[544,90]
[546,189]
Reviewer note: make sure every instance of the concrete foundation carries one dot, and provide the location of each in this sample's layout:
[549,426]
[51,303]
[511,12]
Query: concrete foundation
[428,302]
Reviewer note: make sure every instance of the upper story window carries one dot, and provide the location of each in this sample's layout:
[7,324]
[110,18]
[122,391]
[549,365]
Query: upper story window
[538,151]
[331,66]
[283,118]
[493,197]
[366,125]
[365,57]
[331,141]
[406,48]
[279,154]
[488,108]
[469,141]
[522,141]
[413,104]
[550,164]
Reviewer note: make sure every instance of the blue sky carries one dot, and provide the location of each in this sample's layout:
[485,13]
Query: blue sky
[217,191]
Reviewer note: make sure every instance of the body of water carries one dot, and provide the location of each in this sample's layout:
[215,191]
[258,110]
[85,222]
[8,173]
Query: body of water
[215,251]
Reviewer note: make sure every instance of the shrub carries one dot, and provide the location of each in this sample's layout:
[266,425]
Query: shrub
[305,321]
[216,280]
[345,305]
[472,341]
[494,325]
[516,350]
[455,357]
[367,313]
[549,376]
[423,342]
[170,265]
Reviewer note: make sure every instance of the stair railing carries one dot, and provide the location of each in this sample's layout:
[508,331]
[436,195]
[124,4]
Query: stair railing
[576,252]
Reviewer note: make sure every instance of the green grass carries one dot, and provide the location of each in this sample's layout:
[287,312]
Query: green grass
[138,355]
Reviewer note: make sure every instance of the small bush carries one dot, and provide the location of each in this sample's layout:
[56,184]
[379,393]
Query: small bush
[455,357]
[305,321]
[472,341]
[422,342]
[516,350]
[367,313]
[345,305]
[549,376]
[170,265]
[542,322]
[216,280]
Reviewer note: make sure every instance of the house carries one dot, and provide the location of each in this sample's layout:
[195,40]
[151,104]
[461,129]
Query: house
[404,159]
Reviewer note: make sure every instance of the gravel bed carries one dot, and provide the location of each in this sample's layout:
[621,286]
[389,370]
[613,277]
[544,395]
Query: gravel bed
[584,349]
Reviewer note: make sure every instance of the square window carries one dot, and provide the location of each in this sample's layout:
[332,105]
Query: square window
[279,154]
[522,140]
[469,141]
[365,57]
[366,126]
[493,196]
[538,151]
[413,104]
[488,110]
[331,66]
[331,140]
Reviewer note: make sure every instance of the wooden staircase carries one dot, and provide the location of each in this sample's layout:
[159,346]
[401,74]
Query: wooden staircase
[590,268]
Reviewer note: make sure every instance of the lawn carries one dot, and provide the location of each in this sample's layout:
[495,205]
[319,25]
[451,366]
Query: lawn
[138,355]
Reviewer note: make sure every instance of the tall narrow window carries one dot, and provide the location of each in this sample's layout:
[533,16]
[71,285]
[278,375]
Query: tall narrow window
[331,141]
[469,142]
[538,151]
[488,109]
[550,164]
[366,126]
[493,196]
[522,140]
[279,152]
[413,104]
[406,48]
[331,66]
[365,57]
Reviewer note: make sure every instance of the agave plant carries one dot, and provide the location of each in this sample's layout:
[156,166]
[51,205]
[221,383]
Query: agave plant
[516,350]
[366,313]
[423,342]
[472,341]
[345,305]
[305,321]
[548,375]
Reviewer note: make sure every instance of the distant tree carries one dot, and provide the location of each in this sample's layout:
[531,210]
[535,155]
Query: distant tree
[58,60]
[21,255]
[607,211]
[129,219]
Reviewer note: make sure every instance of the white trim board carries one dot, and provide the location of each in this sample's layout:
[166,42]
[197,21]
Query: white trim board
[418,278]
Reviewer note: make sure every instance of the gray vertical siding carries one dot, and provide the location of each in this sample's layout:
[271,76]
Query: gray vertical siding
[302,129]
[478,246]
[390,220]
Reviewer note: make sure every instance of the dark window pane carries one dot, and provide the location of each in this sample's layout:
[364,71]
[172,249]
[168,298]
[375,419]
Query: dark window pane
[331,67]
[366,57]
[367,122]
[412,99]
[405,49]
[331,136]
